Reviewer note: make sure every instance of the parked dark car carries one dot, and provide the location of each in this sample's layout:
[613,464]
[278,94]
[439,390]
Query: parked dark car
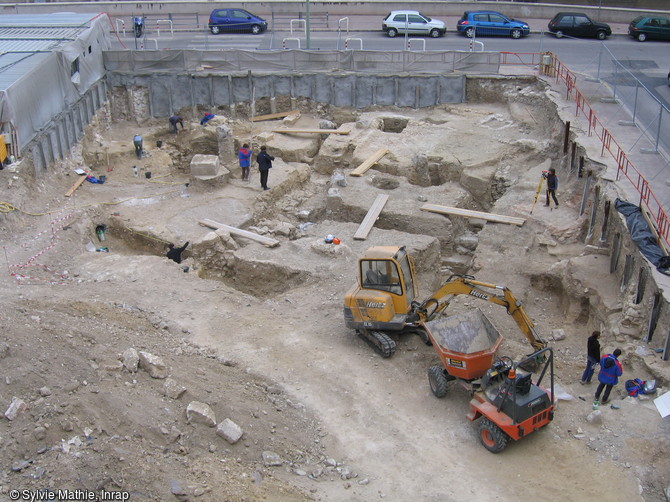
[650,27]
[235,20]
[485,22]
[576,24]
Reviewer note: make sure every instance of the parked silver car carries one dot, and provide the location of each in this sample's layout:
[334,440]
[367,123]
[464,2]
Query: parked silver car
[412,22]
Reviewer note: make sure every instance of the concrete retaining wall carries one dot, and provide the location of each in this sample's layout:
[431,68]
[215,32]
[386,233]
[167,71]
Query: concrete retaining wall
[66,129]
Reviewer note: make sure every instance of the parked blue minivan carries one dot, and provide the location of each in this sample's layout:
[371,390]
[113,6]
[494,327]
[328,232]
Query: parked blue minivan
[235,21]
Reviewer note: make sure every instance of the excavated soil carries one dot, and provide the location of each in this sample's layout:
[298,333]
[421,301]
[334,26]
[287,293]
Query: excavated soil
[257,333]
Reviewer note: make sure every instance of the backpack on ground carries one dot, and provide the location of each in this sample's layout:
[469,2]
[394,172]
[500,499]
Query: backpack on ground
[635,387]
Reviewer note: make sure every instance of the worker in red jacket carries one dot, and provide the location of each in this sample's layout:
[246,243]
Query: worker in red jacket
[608,376]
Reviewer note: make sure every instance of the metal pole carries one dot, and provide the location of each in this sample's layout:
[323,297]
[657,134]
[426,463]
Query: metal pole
[406,32]
[658,130]
[616,68]
[637,86]
[307,26]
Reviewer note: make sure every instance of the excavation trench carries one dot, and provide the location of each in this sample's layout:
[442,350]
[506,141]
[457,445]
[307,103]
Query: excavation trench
[434,155]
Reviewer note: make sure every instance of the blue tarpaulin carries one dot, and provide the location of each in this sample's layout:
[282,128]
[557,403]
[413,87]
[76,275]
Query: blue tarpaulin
[643,236]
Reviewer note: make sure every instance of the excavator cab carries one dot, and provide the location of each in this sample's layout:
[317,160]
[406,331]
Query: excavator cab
[394,274]
[382,297]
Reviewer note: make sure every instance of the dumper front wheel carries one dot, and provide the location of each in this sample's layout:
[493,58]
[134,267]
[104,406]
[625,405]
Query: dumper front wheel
[491,436]
[438,381]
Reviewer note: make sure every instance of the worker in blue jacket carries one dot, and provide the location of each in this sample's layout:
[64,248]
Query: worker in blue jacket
[608,376]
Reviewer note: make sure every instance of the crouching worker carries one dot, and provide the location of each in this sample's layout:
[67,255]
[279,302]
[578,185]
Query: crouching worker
[175,253]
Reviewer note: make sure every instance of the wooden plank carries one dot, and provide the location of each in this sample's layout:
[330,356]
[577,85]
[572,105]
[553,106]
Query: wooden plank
[654,230]
[312,131]
[498,218]
[370,218]
[266,241]
[372,160]
[271,116]
[76,185]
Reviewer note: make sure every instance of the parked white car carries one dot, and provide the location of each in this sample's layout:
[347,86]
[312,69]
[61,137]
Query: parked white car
[412,22]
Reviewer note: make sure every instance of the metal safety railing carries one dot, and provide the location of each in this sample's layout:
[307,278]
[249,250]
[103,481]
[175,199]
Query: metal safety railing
[420,41]
[299,22]
[158,26]
[625,166]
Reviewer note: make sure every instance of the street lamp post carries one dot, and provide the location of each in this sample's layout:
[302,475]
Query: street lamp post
[307,24]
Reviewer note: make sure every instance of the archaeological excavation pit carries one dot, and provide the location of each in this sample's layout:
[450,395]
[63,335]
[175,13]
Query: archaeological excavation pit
[467,156]
[484,156]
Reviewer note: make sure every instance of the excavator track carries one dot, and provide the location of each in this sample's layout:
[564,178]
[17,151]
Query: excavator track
[383,344]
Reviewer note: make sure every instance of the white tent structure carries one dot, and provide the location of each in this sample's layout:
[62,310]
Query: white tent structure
[50,66]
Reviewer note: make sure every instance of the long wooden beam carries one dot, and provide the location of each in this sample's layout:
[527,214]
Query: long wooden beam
[312,131]
[76,185]
[266,241]
[498,218]
[370,218]
[369,162]
[272,116]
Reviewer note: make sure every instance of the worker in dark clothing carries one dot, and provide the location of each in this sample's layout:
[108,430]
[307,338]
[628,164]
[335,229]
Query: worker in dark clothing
[175,253]
[552,185]
[174,120]
[264,160]
[137,141]
[592,356]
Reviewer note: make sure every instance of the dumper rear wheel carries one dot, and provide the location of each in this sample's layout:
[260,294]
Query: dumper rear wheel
[491,436]
[438,381]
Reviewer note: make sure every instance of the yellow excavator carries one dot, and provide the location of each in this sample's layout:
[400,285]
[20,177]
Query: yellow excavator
[383,301]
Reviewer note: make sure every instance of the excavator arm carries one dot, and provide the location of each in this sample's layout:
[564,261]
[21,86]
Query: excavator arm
[467,285]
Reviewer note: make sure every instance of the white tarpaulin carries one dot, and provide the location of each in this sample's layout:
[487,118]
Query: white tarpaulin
[47,63]
[663,404]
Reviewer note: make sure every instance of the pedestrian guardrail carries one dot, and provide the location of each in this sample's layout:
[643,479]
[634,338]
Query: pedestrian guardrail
[283,42]
[158,26]
[410,40]
[472,45]
[123,26]
[316,19]
[299,21]
[347,40]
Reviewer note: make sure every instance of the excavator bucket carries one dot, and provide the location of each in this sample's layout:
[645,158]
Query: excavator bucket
[466,343]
